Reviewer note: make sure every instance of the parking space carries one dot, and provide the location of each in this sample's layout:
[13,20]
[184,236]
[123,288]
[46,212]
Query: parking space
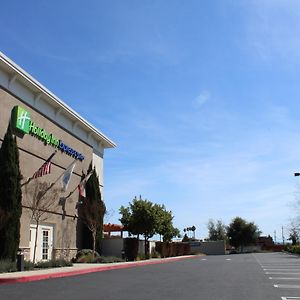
[283,271]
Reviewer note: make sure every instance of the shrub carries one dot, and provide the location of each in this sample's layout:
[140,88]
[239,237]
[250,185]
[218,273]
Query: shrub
[295,249]
[7,266]
[100,259]
[28,265]
[155,254]
[108,259]
[141,256]
[86,252]
[55,263]
[89,258]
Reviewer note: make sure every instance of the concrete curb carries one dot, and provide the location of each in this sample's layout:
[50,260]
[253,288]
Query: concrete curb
[60,274]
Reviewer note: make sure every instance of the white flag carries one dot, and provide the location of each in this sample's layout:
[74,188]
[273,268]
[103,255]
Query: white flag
[67,176]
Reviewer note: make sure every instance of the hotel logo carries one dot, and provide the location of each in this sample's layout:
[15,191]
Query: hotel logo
[21,119]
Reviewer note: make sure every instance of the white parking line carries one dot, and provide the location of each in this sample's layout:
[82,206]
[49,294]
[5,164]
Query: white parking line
[289,298]
[282,273]
[203,259]
[287,286]
[283,266]
[284,278]
[228,258]
[281,269]
[279,265]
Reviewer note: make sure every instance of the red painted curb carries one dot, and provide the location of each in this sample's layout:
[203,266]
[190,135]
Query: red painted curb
[89,270]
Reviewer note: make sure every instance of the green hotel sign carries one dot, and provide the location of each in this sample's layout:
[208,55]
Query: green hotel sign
[23,123]
[21,119]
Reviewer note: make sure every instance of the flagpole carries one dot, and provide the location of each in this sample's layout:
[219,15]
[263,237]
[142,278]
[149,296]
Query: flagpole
[87,175]
[72,191]
[60,176]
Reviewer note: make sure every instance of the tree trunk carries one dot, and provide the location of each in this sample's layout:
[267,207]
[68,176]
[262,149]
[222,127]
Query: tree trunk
[94,242]
[145,247]
[35,241]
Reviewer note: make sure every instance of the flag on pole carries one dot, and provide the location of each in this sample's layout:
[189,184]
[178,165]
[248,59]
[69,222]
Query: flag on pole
[45,168]
[82,184]
[66,176]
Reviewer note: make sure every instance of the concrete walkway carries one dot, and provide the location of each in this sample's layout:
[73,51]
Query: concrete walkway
[79,269]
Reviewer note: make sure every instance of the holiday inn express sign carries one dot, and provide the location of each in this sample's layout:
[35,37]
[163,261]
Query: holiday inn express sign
[22,122]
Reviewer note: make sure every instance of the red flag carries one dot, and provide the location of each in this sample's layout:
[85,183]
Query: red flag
[82,184]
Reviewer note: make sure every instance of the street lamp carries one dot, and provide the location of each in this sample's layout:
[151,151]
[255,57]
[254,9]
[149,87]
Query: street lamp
[296,174]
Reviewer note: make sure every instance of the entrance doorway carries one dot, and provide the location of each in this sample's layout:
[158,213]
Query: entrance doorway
[44,244]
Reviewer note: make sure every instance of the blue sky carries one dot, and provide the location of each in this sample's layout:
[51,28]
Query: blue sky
[201,97]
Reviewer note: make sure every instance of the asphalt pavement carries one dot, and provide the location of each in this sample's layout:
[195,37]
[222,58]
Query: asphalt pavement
[228,277]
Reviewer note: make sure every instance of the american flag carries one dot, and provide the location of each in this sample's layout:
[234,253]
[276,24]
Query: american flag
[44,169]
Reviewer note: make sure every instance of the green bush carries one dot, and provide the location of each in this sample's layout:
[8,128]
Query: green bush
[86,252]
[88,258]
[142,256]
[292,248]
[7,266]
[296,249]
[108,259]
[100,259]
[55,263]
[155,254]
[28,265]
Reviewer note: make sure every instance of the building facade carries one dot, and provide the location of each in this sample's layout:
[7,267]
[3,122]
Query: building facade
[43,125]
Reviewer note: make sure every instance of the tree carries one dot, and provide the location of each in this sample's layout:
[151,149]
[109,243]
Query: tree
[10,196]
[145,218]
[216,230]
[92,209]
[165,226]
[140,218]
[241,233]
[4,216]
[188,229]
[185,238]
[193,229]
[294,232]
[40,201]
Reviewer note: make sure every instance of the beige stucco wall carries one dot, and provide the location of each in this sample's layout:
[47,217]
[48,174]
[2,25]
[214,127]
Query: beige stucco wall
[33,153]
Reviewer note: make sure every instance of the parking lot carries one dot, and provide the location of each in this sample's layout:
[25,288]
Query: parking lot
[283,272]
[259,276]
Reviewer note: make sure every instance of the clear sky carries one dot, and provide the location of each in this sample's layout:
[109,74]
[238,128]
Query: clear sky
[201,97]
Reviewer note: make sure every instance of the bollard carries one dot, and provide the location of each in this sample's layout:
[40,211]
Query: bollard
[20,260]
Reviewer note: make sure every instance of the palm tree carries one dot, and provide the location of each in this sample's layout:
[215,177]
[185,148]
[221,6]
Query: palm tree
[193,228]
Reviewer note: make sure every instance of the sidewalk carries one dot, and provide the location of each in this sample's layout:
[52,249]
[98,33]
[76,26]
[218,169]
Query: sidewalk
[80,269]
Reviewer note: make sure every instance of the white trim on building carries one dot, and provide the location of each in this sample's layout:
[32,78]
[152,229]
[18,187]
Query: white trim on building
[20,83]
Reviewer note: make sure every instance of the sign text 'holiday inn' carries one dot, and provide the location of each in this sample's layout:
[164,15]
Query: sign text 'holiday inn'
[22,121]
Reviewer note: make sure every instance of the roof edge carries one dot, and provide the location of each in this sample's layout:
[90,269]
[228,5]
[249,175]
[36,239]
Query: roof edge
[16,68]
